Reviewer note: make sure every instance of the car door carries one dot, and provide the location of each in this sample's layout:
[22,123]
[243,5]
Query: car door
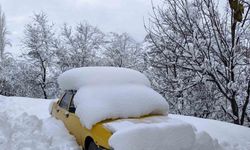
[66,113]
[74,124]
[63,106]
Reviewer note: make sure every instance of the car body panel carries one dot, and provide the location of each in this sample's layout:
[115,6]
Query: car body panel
[98,133]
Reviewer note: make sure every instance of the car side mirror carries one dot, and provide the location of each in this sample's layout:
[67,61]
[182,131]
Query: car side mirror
[72,109]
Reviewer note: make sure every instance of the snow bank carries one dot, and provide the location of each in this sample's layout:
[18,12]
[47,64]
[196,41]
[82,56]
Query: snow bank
[230,136]
[75,78]
[27,132]
[25,124]
[158,133]
[203,141]
[97,103]
[33,106]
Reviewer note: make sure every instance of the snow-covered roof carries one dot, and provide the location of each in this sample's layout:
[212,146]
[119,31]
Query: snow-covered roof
[75,78]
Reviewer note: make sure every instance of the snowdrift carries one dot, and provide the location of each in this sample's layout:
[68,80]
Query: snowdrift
[25,124]
[230,136]
[97,103]
[26,132]
[75,78]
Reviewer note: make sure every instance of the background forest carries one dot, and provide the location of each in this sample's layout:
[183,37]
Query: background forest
[195,56]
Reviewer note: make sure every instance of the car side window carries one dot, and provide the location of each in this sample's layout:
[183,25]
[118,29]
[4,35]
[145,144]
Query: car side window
[65,102]
[72,107]
[72,102]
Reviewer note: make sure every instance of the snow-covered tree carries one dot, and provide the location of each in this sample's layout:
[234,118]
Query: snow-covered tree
[191,45]
[7,67]
[6,60]
[121,50]
[3,33]
[79,47]
[39,52]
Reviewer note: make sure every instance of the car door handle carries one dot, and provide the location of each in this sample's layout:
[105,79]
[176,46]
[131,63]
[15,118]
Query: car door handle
[66,114]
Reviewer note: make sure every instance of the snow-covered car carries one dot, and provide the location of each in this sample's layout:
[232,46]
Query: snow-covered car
[64,109]
[101,103]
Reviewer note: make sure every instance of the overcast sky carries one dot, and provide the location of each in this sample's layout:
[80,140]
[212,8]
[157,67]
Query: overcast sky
[109,15]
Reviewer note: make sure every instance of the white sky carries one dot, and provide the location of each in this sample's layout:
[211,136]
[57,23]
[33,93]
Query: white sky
[109,15]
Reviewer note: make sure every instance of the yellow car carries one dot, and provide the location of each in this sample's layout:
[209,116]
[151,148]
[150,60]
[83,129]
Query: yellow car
[94,139]
[137,104]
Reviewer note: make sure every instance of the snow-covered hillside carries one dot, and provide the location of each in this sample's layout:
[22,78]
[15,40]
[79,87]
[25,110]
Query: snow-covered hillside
[25,124]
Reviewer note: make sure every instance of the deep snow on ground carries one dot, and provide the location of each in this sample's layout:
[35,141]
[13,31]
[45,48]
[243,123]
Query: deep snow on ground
[25,124]
[231,136]
[15,106]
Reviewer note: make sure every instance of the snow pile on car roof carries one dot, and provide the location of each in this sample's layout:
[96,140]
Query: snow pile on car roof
[97,103]
[158,133]
[75,78]
[110,93]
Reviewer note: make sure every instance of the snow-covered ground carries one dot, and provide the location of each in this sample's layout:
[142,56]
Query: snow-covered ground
[230,136]
[25,124]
